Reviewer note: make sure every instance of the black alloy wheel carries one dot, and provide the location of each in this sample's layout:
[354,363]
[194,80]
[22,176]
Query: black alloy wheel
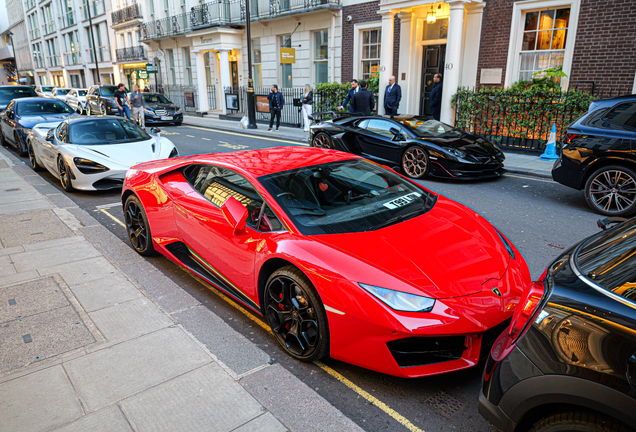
[611,191]
[415,163]
[137,227]
[322,140]
[65,174]
[80,111]
[579,422]
[33,160]
[296,314]
[22,151]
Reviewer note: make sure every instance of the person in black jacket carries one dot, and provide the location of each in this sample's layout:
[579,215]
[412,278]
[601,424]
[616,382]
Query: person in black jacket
[436,97]
[363,101]
[349,98]
[392,97]
[276,104]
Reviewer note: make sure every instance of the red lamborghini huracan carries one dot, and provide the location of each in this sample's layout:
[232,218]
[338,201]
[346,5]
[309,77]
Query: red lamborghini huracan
[342,257]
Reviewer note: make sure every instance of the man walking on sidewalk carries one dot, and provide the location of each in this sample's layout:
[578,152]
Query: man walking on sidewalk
[276,104]
[363,101]
[138,106]
[392,97]
[122,101]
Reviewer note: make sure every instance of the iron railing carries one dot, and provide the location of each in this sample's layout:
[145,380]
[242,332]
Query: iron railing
[290,116]
[72,58]
[126,14]
[180,96]
[229,12]
[212,95]
[130,54]
[97,8]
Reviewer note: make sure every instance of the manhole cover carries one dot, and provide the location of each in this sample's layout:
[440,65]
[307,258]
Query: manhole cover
[444,404]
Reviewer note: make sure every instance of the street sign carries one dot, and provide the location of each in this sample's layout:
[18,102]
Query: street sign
[142,74]
[150,68]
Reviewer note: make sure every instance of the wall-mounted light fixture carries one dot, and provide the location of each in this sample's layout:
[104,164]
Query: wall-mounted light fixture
[431,16]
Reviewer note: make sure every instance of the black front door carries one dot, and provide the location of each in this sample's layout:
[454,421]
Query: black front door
[432,62]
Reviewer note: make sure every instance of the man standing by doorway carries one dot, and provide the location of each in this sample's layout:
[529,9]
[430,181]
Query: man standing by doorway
[392,97]
[122,101]
[137,104]
[363,101]
[349,98]
[436,97]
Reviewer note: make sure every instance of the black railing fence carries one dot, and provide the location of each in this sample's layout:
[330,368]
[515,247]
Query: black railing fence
[126,14]
[130,53]
[186,97]
[520,119]
[290,116]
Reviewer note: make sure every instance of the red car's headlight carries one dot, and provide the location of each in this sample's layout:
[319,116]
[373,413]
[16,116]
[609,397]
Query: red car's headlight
[400,301]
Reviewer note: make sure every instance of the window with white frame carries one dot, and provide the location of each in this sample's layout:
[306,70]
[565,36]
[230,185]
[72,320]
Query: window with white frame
[188,66]
[285,68]
[321,57]
[544,40]
[208,68]
[371,42]
[173,73]
[257,67]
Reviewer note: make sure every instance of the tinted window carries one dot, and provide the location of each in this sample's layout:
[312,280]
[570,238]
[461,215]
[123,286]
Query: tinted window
[346,196]
[80,92]
[47,88]
[156,98]
[9,93]
[62,92]
[108,90]
[380,127]
[218,184]
[42,107]
[430,128]
[106,131]
[624,114]
[609,259]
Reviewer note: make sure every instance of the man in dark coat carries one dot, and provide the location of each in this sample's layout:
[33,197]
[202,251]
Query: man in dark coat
[436,97]
[392,97]
[349,98]
[363,101]
[276,104]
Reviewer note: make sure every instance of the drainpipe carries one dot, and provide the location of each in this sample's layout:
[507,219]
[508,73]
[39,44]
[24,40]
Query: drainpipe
[333,46]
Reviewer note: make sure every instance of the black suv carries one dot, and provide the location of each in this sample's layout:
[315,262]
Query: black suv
[599,155]
[100,100]
[10,92]
[568,360]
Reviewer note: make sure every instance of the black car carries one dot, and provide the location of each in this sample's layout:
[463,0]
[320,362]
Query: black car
[100,100]
[419,146]
[160,110]
[10,92]
[599,155]
[21,115]
[568,360]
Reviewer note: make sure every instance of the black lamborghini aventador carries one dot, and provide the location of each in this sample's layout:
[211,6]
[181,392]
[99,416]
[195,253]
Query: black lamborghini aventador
[419,146]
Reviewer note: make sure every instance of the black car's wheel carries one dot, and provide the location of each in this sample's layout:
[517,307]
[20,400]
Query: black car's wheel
[80,111]
[88,110]
[178,123]
[578,422]
[2,140]
[322,140]
[137,227]
[22,151]
[296,314]
[33,162]
[611,191]
[415,162]
[65,175]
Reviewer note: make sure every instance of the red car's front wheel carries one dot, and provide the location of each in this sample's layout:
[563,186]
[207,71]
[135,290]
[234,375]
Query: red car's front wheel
[296,314]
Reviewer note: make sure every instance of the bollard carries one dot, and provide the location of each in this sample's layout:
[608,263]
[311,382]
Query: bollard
[550,148]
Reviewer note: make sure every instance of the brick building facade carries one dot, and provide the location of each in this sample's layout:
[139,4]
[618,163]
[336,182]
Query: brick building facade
[359,13]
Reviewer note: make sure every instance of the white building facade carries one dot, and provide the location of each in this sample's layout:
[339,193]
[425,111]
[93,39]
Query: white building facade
[20,39]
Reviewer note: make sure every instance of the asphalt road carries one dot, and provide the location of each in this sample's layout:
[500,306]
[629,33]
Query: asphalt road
[541,217]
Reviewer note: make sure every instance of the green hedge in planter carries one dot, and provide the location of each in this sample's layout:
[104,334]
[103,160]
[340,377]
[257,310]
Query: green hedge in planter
[328,96]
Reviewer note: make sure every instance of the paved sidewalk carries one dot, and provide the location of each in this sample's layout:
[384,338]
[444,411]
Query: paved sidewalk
[515,163]
[94,338]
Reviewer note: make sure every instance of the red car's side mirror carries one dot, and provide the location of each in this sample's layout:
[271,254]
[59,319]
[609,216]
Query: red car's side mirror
[235,213]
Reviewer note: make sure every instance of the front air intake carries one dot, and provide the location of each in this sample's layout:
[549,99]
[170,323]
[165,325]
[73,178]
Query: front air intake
[419,351]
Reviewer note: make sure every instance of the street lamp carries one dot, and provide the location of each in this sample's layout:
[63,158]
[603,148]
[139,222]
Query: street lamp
[17,74]
[251,109]
[90,24]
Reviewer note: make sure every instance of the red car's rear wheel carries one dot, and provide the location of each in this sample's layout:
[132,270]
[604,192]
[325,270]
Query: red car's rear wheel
[296,314]
[137,227]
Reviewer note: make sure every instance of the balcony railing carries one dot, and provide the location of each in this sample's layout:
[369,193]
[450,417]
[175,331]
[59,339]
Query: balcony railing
[34,33]
[103,54]
[48,27]
[72,58]
[66,20]
[97,9]
[229,12]
[130,54]
[126,14]
[54,60]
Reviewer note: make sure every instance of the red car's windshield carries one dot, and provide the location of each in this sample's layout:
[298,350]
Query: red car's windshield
[346,196]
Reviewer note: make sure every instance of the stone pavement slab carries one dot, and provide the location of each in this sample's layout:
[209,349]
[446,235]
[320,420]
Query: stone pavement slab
[32,227]
[62,254]
[25,299]
[109,419]
[109,375]
[264,423]
[38,401]
[102,293]
[82,271]
[204,399]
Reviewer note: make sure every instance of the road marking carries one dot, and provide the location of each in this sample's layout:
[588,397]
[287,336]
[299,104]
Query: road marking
[104,206]
[190,136]
[375,401]
[112,217]
[529,178]
[207,139]
[250,136]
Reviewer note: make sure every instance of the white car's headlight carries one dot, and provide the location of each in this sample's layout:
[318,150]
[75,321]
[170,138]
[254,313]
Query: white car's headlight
[149,112]
[177,111]
[401,301]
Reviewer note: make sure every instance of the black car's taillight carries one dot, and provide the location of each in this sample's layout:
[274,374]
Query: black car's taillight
[86,166]
[567,139]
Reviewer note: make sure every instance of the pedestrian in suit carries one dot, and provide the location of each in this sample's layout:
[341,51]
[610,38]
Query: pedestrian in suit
[307,101]
[349,98]
[392,97]
[363,101]
[276,104]
[436,97]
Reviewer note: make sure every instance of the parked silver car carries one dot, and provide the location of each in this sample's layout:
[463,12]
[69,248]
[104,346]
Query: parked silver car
[76,99]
